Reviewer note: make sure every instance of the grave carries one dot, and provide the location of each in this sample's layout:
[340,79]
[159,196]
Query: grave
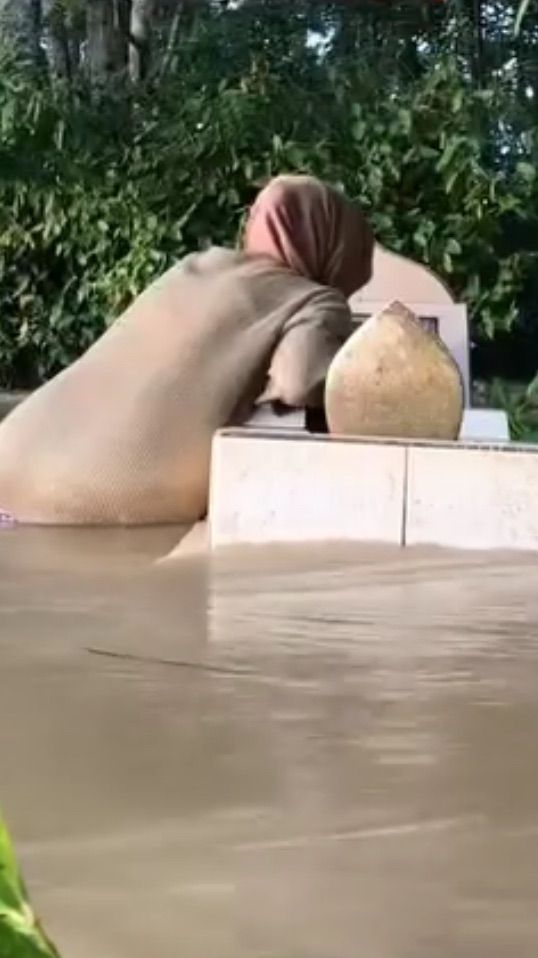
[275,481]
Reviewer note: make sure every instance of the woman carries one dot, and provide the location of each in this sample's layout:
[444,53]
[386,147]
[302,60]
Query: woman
[123,436]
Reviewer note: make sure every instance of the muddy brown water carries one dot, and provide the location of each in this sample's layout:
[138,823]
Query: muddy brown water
[324,753]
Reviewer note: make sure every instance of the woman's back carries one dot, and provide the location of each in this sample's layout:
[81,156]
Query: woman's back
[124,434]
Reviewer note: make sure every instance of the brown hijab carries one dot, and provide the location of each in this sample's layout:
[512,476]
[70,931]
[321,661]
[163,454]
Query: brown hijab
[312,229]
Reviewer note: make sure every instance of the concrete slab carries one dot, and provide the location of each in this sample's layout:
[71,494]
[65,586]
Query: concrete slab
[397,277]
[485,425]
[271,487]
[264,417]
[481,425]
[285,488]
[470,497]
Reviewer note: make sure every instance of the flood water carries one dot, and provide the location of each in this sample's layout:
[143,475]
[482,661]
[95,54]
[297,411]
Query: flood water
[318,754]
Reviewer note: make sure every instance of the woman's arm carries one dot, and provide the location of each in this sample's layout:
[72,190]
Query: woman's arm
[308,345]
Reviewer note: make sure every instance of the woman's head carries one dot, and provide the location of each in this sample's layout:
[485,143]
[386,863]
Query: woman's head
[311,228]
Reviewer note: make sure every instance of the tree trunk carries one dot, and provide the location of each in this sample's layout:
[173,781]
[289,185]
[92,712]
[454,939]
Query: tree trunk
[106,46]
[56,39]
[20,27]
[140,39]
[478,26]
[76,37]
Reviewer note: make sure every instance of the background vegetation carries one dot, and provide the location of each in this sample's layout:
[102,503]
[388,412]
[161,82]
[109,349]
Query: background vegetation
[134,130]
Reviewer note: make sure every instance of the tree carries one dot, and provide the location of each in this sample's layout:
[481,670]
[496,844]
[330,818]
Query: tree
[142,12]
[106,40]
[20,27]
[179,109]
[56,38]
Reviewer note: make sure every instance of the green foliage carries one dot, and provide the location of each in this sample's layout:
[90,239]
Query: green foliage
[99,196]
[521,406]
[21,935]
[434,193]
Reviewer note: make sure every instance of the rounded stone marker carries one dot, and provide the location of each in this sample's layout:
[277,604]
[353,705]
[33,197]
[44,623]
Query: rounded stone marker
[393,378]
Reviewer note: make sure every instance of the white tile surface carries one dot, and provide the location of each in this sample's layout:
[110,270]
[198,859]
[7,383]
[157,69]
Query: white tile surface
[480,425]
[270,488]
[263,417]
[472,498]
[485,425]
[273,489]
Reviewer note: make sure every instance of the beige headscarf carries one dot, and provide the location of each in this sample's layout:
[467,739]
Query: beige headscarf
[312,229]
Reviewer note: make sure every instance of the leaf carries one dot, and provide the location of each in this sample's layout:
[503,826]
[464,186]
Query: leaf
[520,15]
[457,101]
[452,247]
[451,181]
[21,935]
[59,135]
[406,120]
[358,130]
[526,171]
[449,153]
[532,388]
[12,891]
